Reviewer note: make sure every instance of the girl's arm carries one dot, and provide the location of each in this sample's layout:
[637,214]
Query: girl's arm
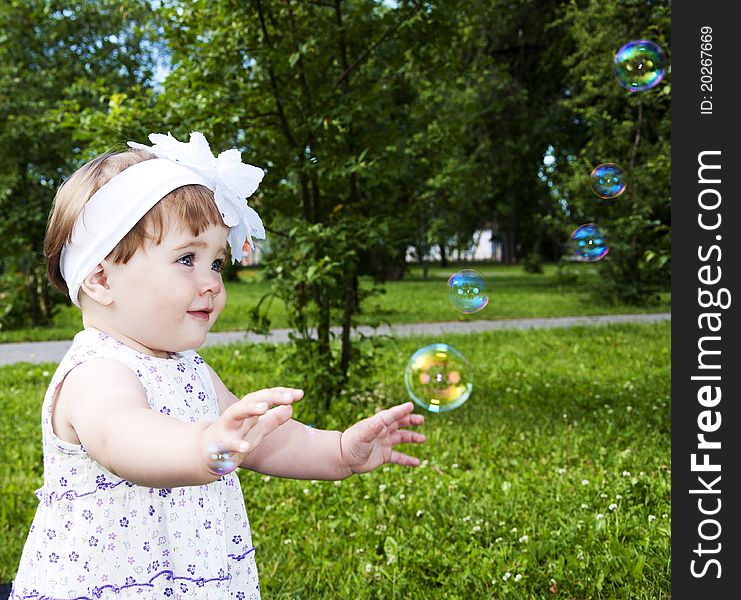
[297,451]
[102,405]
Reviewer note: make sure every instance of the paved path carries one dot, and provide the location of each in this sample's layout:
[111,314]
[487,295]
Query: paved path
[38,352]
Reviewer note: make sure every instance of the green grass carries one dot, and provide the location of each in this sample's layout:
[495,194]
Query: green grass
[512,292]
[561,425]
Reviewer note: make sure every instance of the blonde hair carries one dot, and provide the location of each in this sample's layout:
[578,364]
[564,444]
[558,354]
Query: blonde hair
[191,207]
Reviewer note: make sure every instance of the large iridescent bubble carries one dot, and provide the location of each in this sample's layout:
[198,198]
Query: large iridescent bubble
[588,243]
[639,65]
[439,378]
[467,291]
[608,180]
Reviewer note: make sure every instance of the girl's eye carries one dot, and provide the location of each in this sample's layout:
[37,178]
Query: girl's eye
[217,265]
[186,260]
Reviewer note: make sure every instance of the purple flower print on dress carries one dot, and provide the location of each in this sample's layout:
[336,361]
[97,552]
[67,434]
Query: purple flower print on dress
[168,592]
[145,547]
[164,410]
[51,534]
[191,569]
[151,510]
[53,557]
[124,522]
[87,515]
[237,539]
[62,482]
[188,388]
[93,541]
[73,556]
[181,367]
[198,360]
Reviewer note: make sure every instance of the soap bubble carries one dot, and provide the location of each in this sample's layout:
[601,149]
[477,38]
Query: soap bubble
[588,243]
[640,65]
[220,461]
[467,291]
[608,180]
[439,378]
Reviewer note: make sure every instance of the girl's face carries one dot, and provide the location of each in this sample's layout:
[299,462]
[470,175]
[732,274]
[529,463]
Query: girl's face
[167,297]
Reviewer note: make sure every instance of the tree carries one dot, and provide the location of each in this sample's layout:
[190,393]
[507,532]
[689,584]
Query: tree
[631,129]
[54,59]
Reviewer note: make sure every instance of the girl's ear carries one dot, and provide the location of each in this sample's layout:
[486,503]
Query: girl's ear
[96,285]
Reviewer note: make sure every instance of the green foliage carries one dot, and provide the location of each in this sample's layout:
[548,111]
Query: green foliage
[55,58]
[513,482]
[630,129]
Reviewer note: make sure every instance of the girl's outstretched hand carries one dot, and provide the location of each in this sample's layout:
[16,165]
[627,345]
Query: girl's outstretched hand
[370,443]
[243,425]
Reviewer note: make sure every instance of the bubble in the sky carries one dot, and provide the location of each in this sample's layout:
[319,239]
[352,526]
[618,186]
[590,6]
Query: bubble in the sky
[640,65]
[438,377]
[467,291]
[608,180]
[588,243]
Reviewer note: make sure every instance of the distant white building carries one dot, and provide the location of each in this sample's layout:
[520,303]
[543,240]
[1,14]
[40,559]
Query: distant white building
[484,247]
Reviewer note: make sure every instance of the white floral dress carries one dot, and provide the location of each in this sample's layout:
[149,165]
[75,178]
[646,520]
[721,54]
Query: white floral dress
[96,535]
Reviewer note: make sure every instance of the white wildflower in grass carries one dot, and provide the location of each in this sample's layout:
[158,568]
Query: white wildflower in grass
[612,506]
[513,530]
[498,540]
[368,567]
[626,473]
[561,471]
[506,576]
[585,481]
[583,505]
[618,497]
[420,513]
[466,518]
[382,487]
[385,469]
[338,483]
[524,539]
[366,497]
[454,465]
[306,491]
[476,529]
[402,496]
[518,577]
[664,515]
[547,385]
[288,541]
[45,373]
[237,353]
[651,518]
[266,477]
[600,516]
[603,495]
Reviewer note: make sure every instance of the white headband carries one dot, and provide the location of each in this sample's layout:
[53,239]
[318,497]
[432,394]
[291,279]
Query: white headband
[119,204]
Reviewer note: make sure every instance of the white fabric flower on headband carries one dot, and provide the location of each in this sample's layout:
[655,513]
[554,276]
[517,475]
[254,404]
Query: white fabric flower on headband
[231,180]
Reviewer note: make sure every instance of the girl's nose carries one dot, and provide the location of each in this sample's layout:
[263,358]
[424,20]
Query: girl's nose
[212,283]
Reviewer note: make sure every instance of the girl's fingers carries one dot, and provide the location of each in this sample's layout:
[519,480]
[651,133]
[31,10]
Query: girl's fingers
[276,395]
[411,420]
[274,418]
[407,437]
[404,460]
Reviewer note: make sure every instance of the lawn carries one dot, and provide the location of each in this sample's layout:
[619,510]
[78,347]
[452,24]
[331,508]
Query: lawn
[552,481]
[512,294]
